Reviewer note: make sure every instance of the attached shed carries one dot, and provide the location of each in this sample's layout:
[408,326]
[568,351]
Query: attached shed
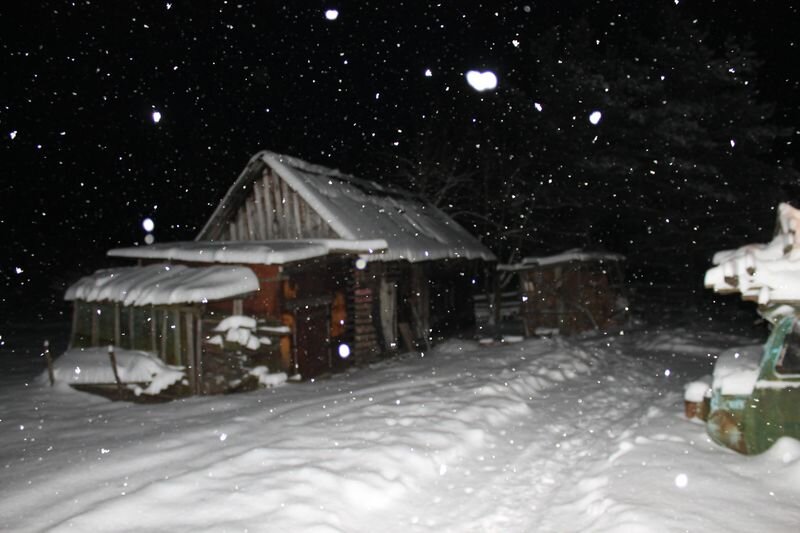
[571,292]
[338,270]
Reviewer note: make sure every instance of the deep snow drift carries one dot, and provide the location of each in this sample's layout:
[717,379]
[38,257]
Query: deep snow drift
[541,435]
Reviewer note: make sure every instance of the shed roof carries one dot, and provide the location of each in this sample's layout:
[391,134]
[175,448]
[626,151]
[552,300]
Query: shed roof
[162,284]
[249,252]
[574,255]
[360,210]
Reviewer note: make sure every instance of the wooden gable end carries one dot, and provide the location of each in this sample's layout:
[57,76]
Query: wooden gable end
[272,210]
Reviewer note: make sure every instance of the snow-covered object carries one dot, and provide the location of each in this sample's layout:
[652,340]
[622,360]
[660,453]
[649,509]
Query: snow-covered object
[736,370]
[360,210]
[92,365]
[238,329]
[697,391]
[249,252]
[162,284]
[564,257]
[767,273]
[267,379]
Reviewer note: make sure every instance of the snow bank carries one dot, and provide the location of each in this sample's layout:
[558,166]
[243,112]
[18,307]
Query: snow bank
[736,370]
[163,284]
[93,365]
[541,435]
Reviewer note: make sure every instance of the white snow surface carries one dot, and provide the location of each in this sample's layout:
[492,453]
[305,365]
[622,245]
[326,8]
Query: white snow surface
[361,210]
[163,284]
[93,365]
[545,435]
[249,252]
[767,273]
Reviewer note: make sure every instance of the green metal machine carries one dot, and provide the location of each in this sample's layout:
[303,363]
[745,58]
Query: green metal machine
[750,421]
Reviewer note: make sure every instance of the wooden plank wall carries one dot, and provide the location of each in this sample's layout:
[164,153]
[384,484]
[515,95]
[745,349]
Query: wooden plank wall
[272,210]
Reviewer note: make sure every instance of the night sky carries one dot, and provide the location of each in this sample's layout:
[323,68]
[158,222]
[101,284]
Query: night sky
[85,161]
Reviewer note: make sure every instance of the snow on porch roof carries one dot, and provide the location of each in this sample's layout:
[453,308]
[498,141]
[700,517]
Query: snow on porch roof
[162,284]
[564,257]
[356,209]
[249,252]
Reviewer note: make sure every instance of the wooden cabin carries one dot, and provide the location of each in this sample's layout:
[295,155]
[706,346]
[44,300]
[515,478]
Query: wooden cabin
[570,292]
[344,270]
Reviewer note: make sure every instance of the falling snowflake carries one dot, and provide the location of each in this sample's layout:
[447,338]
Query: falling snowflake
[482,81]
[156,117]
[595,117]
[331,14]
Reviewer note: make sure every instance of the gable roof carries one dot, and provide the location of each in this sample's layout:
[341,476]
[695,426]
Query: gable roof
[356,209]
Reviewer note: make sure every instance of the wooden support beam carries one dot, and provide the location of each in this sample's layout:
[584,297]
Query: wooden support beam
[269,210]
[250,217]
[117,326]
[296,221]
[258,204]
[191,357]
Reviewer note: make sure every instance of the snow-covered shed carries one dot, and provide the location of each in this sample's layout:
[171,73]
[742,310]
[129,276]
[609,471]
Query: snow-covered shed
[571,292]
[341,269]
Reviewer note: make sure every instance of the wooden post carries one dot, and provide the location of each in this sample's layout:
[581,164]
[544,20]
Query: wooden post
[113,359]
[49,361]
[498,303]
[74,333]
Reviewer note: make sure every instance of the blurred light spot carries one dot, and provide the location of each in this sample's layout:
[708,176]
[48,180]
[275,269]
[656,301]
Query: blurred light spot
[344,351]
[538,106]
[595,117]
[482,81]
[681,480]
[428,73]
[13,135]
[361,263]
[148,224]
[149,239]
[18,270]
[156,117]
[331,14]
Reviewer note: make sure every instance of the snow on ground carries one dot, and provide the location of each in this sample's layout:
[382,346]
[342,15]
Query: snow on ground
[541,435]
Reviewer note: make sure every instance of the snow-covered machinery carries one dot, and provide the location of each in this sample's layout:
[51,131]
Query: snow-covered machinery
[754,398]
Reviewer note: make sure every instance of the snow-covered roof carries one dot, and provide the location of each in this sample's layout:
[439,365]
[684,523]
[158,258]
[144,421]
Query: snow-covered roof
[249,252]
[360,210]
[564,257]
[162,284]
[767,273]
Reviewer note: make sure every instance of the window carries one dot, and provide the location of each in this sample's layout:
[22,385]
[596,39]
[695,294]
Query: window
[789,360]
